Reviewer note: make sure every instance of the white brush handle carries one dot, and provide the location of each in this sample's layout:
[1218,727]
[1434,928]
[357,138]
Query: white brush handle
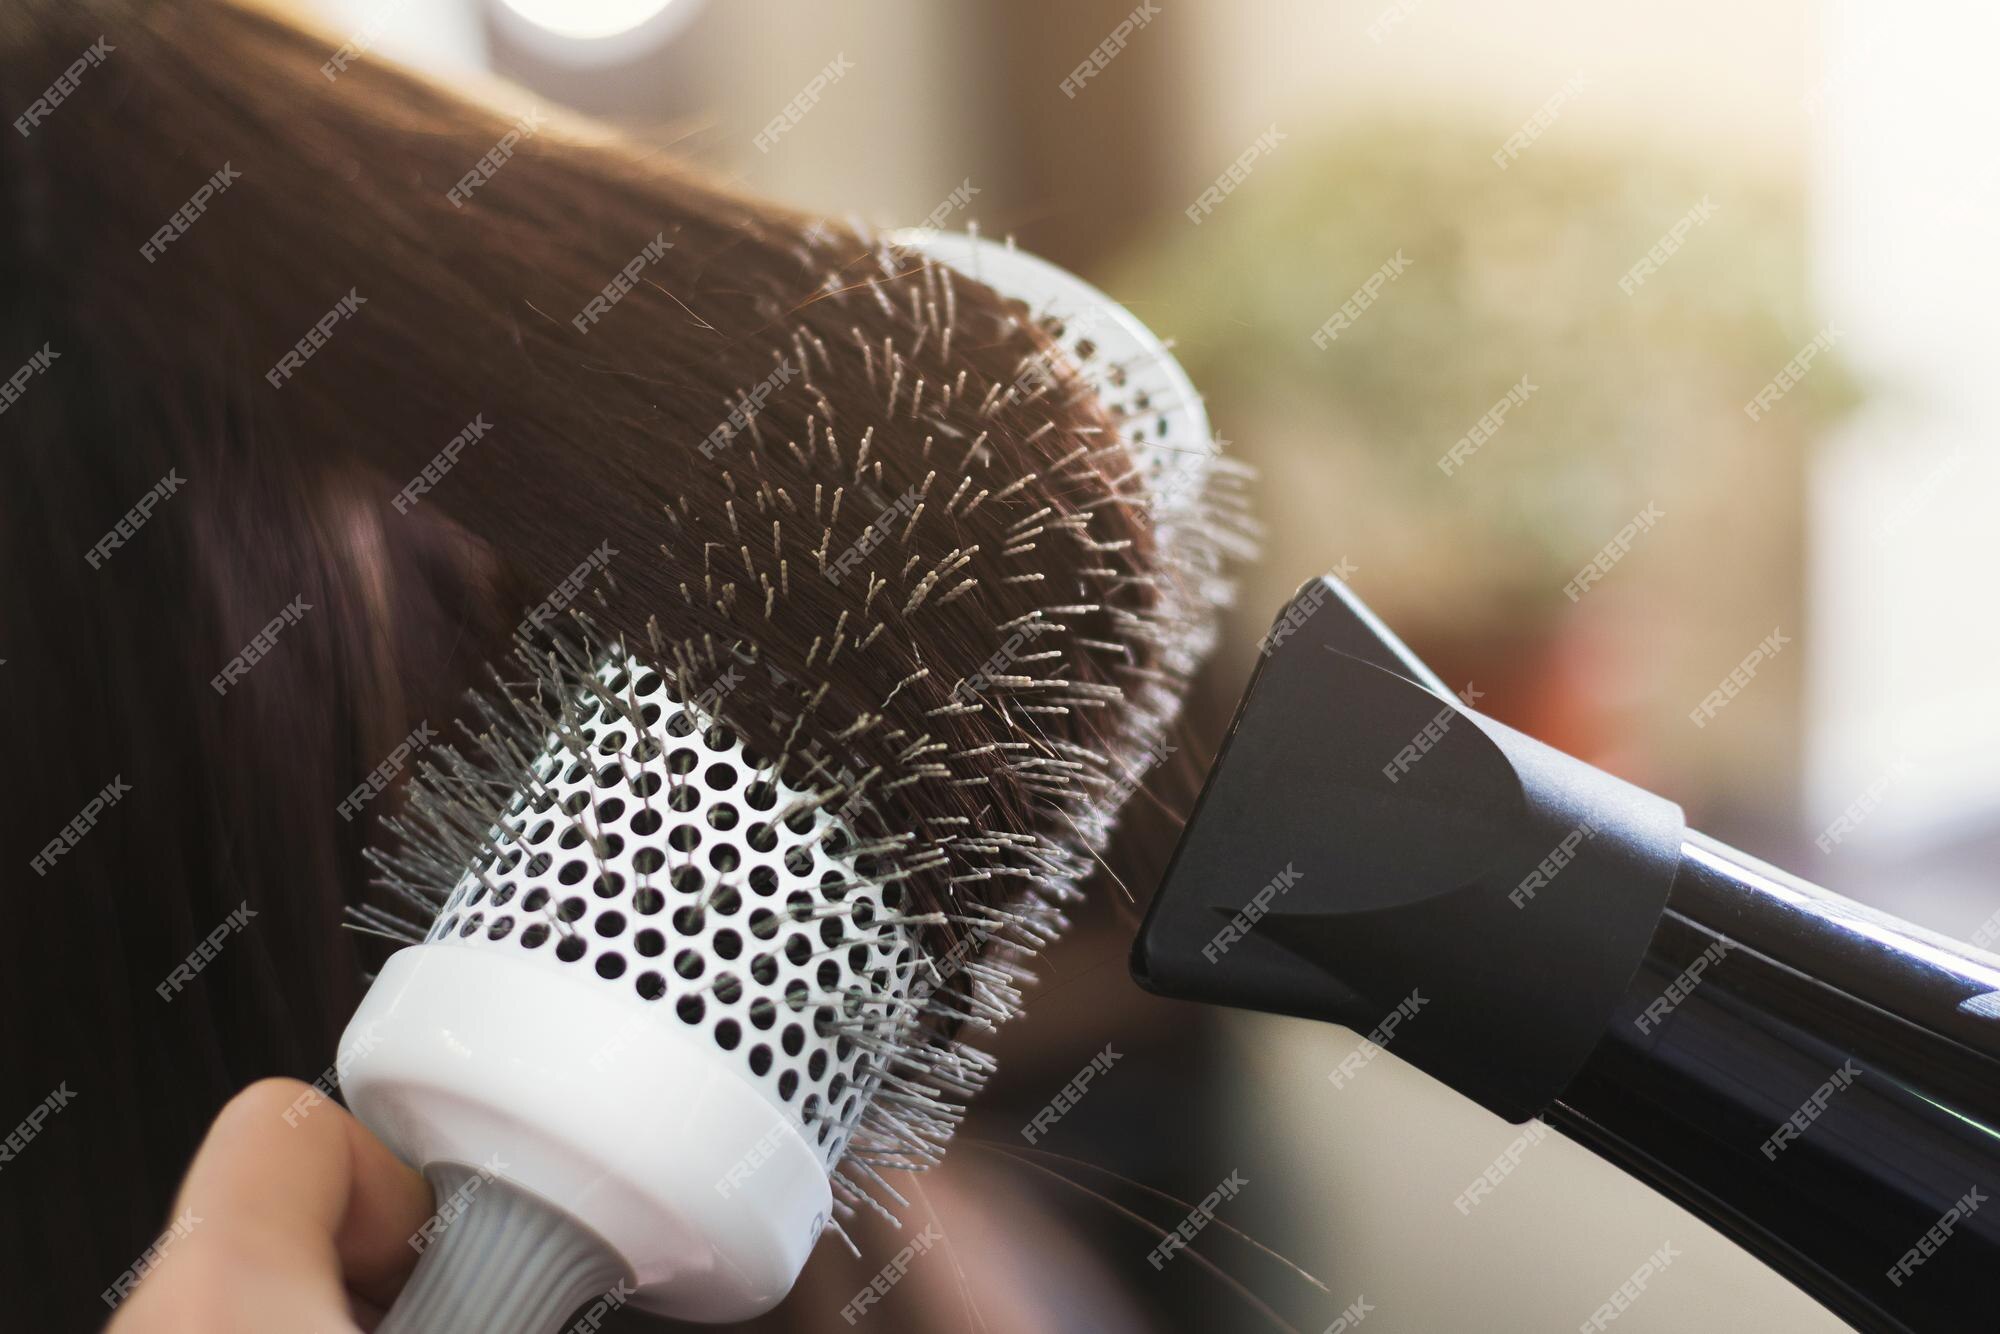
[556,1091]
[506,1263]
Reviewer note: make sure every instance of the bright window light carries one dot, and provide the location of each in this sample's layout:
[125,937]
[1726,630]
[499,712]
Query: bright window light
[587,20]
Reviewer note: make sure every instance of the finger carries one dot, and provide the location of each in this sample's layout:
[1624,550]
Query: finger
[288,1201]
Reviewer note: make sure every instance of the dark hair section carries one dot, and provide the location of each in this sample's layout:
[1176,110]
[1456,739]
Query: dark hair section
[786,444]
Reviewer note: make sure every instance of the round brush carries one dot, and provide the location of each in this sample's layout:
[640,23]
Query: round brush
[676,1003]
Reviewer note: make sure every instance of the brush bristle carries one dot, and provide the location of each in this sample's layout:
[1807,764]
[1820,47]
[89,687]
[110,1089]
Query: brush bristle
[951,626]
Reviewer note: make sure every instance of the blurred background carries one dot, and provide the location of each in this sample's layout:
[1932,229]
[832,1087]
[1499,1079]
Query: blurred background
[1622,223]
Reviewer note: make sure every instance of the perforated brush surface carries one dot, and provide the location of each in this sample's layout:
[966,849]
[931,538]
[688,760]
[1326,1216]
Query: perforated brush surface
[650,853]
[826,809]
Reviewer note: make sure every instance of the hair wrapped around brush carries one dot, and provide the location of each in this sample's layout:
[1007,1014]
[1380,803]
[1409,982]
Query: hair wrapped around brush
[427,371]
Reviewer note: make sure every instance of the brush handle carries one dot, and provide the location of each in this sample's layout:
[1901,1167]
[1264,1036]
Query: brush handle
[501,1261]
[1818,1080]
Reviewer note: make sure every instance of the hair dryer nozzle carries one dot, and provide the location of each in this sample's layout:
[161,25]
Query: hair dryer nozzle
[1371,851]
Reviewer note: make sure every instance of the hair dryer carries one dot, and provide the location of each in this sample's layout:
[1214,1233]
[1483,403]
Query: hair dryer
[1819,1081]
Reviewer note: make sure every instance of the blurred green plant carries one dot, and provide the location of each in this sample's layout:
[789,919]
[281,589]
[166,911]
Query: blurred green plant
[1509,274]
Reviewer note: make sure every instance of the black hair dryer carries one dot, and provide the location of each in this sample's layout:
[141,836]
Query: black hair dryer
[1819,1081]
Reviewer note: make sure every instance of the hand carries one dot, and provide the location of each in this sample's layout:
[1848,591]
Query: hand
[292,1218]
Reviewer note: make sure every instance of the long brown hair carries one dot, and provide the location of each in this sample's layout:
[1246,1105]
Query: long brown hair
[356,372]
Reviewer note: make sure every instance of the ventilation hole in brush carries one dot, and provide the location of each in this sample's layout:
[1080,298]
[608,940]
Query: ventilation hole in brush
[646,823]
[687,879]
[682,762]
[608,886]
[761,795]
[681,725]
[501,926]
[610,965]
[727,1034]
[648,901]
[726,900]
[763,880]
[684,838]
[534,934]
[650,986]
[609,923]
[799,861]
[649,943]
[648,860]
[541,831]
[793,1039]
[571,839]
[816,1066]
[726,944]
[472,924]
[539,864]
[788,1084]
[683,798]
[690,1009]
[760,1060]
[570,909]
[688,964]
[722,816]
[688,920]
[572,873]
[764,924]
[608,811]
[502,894]
[569,949]
[760,838]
